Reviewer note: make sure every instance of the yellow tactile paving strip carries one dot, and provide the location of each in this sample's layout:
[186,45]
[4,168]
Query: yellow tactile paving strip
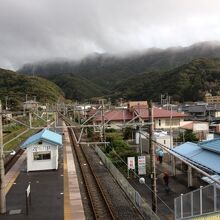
[73,208]
[67,208]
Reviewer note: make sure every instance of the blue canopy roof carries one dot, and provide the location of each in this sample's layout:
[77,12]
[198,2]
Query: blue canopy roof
[199,155]
[44,135]
[212,145]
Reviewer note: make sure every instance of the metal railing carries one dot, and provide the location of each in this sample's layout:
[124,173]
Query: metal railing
[199,202]
[132,194]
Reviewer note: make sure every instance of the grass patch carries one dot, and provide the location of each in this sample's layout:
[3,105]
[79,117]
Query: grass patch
[18,129]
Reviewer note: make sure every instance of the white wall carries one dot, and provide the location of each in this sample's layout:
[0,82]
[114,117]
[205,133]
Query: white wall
[50,164]
[217,114]
[202,126]
[165,140]
[161,138]
[164,123]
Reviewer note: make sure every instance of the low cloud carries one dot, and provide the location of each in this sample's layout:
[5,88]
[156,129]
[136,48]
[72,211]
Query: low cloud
[47,29]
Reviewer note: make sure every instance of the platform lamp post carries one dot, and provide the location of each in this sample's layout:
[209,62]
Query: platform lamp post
[2,169]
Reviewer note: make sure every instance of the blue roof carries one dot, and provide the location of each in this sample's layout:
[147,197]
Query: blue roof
[199,155]
[44,135]
[212,145]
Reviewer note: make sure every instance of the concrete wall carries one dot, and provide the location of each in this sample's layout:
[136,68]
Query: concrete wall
[164,123]
[144,142]
[202,126]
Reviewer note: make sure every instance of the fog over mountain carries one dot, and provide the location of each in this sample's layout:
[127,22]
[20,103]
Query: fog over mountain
[107,69]
[135,75]
[33,30]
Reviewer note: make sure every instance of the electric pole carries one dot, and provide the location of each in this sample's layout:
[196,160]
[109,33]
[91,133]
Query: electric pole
[6,103]
[152,160]
[2,169]
[103,121]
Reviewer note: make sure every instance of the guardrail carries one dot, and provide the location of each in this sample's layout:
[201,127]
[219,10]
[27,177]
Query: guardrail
[205,200]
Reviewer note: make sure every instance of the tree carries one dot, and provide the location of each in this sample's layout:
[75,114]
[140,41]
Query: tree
[127,133]
[188,135]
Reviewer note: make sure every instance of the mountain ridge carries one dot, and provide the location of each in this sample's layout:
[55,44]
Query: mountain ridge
[107,70]
[188,82]
[104,75]
[15,86]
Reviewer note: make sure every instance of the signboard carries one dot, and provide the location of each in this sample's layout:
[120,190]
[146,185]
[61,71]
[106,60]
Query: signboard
[40,148]
[141,165]
[131,163]
[28,190]
[28,198]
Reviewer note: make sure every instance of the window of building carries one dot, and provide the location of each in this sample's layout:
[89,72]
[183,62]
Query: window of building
[174,122]
[164,141]
[159,122]
[46,155]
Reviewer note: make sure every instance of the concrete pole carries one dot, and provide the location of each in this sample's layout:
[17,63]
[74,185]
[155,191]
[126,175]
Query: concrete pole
[30,119]
[6,103]
[173,163]
[103,121]
[140,142]
[47,109]
[189,175]
[152,160]
[2,169]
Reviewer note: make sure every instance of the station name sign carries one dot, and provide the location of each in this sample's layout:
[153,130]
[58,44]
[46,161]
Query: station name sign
[40,148]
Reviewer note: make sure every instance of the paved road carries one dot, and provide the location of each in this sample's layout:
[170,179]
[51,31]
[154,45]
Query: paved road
[165,199]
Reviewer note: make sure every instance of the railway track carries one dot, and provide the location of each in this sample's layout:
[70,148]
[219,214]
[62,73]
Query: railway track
[99,203]
[106,198]
[10,160]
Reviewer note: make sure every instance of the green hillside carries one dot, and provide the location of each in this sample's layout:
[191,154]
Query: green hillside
[184,72]
[185,83]
[15,86]
[77,88]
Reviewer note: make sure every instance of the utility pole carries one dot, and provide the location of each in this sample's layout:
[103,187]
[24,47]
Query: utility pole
[47,109]
[103,122]
[109,103]
[2,169]
[6,103]
[152,160]
[171,139]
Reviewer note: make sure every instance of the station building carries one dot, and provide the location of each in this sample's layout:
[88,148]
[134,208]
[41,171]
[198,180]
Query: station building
[42,150]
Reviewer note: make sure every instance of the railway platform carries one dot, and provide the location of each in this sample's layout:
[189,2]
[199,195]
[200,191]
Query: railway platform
[55,194]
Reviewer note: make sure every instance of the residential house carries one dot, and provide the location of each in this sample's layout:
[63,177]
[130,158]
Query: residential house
[30,105]
[163,119]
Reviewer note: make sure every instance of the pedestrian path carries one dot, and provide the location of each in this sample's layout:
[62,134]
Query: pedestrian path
[165,198]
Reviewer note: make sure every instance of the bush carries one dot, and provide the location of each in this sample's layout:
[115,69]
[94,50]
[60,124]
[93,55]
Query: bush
[110,130]
[127,133]
[188,135]
[118,150]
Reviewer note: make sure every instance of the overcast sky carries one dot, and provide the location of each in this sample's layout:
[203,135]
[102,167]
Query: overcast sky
[33,30]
